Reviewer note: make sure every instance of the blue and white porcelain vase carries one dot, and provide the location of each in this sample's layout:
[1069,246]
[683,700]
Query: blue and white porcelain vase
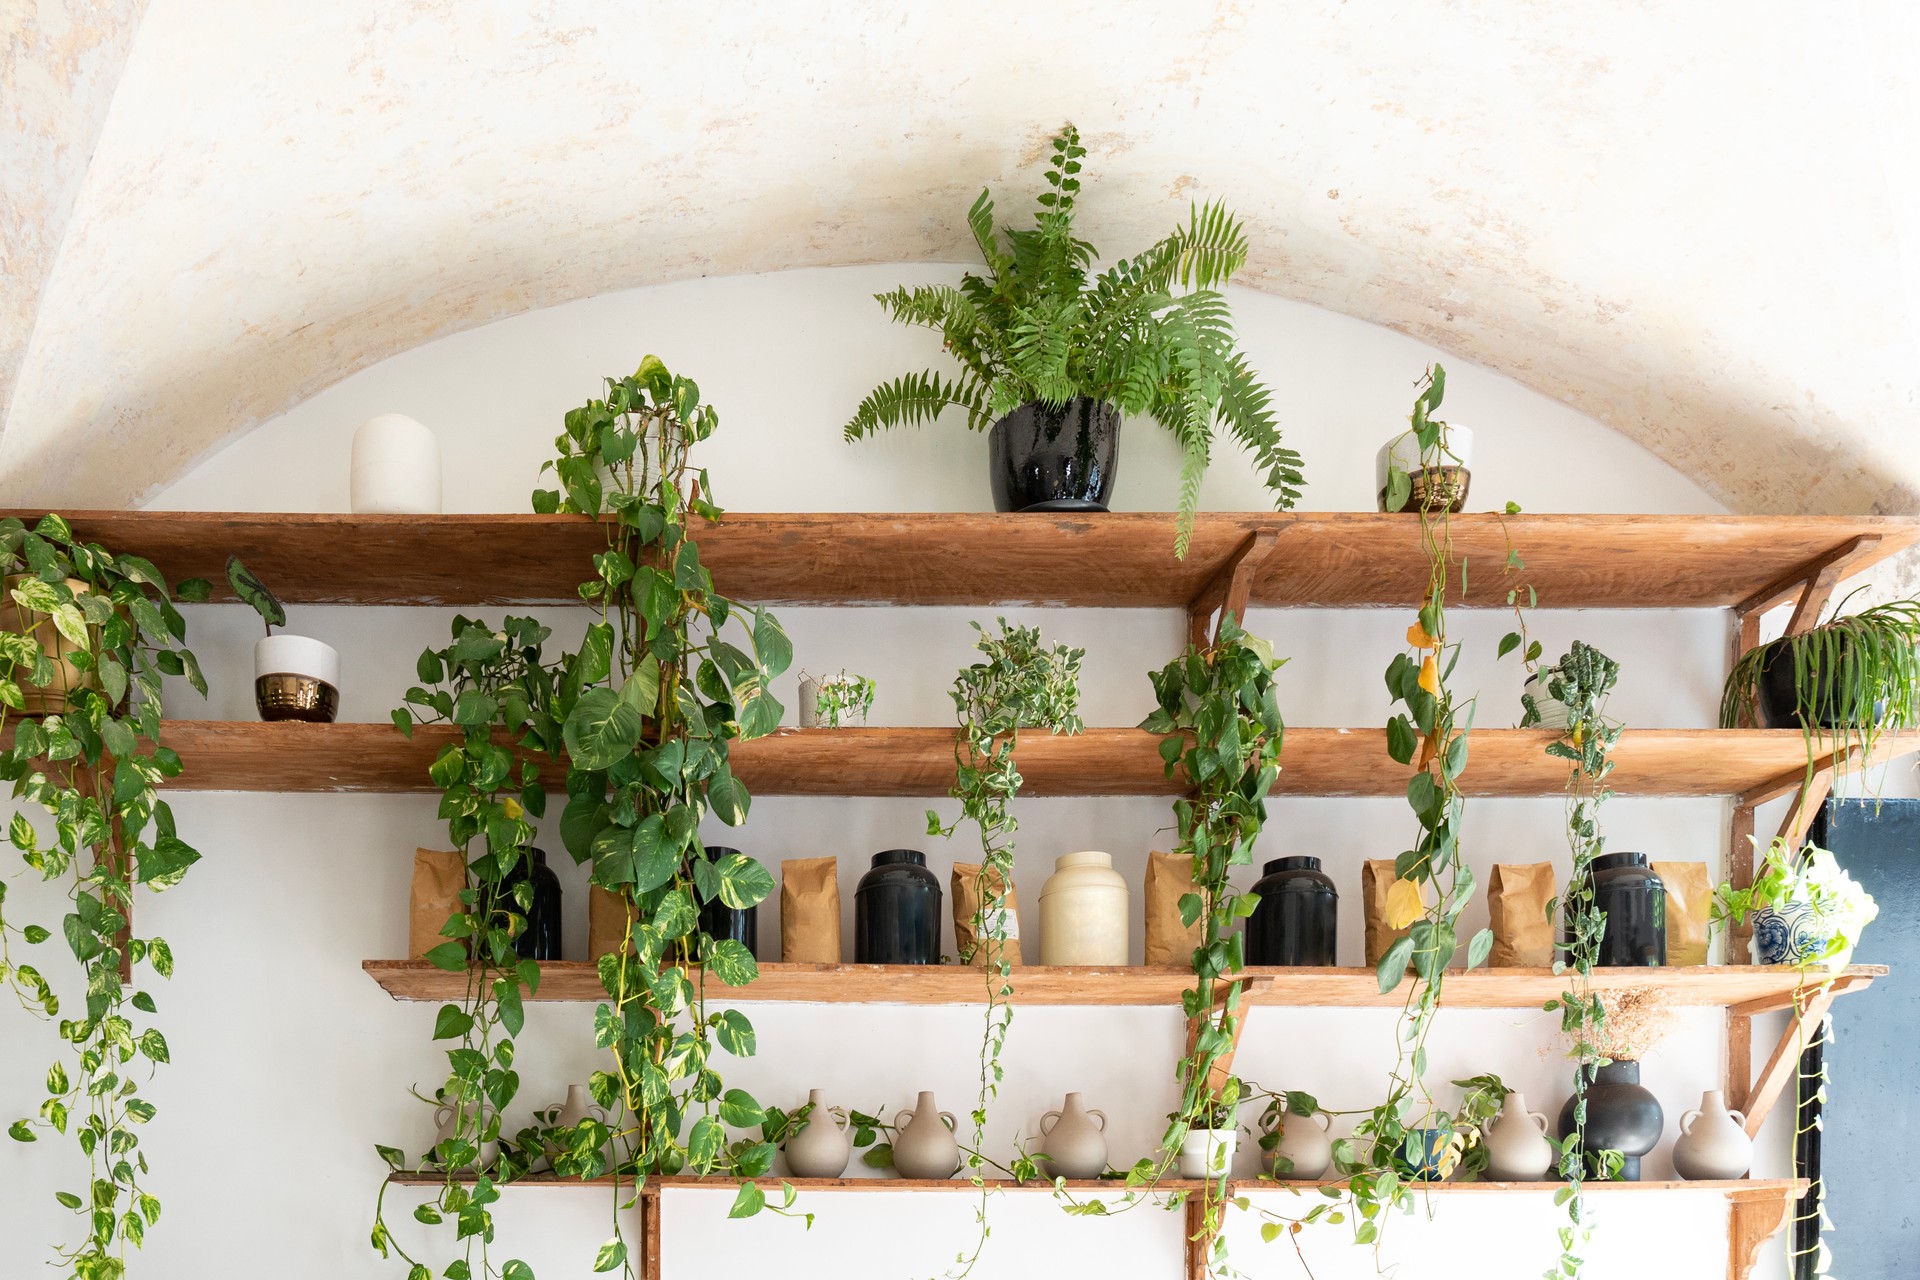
[1794,933]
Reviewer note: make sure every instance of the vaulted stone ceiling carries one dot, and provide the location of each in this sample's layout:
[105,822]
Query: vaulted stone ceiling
[1699,223]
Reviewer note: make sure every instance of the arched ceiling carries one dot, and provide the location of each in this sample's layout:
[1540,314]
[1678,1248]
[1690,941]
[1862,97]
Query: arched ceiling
[1698,223]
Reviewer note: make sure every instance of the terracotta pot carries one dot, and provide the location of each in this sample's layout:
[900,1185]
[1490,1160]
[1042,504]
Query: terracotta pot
[1084,912]
[821,1148]
[1713,1143]
[923,1143]
[1075,1141]
[1305,1144]
[1517,1145]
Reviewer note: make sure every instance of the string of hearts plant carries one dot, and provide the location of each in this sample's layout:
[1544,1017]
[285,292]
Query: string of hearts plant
[1581,681]
[1023,684]
[649,713]
[88,637]
[490,684]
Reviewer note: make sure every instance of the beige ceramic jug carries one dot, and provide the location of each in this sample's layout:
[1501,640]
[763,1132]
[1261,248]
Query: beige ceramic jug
[1516,1141]
[821,1149]
[1075,1140]
[1304,1142]
[1713,1143]
[923,1143]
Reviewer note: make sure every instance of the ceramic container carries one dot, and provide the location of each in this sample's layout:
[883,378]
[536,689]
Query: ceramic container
[1422,1155]
[1084,912]
[444,1116]
[1830,703]
[1297,920]
[896,911]
[809,703]
[1304,1142]
[1074,1139]
[1444,486]
[578,1108]
[1621,1116]
[296,678]
[923,1142]
[396,467]
[1634,901]
[1553,712]
[1517,1145]
[540,940]
[1208,1153]
[1041,458]
[821,1149]
[1713,1144]
[52,698]
[1793,933]
[720,921]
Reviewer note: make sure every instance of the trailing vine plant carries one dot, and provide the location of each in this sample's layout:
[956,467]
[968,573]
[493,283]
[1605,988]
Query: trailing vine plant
[1581,681]
[1023,684]
[650,710]
[1222,734]
[88,638]
[488,684]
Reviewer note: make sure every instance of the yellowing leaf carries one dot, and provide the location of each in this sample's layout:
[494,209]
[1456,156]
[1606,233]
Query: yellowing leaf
[1417,637]
[513,808]
[1404,903]
[1430,676]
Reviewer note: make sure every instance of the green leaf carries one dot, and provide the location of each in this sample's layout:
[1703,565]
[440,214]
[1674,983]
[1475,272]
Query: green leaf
[451,1023]
[1479,948]
[750,1201]
[739,1109]
[611,1255]
[19,1132]
[732,963]
[1393,965]
[1401,740]
[254,592]
[451,956]
[601,730]
[727,798]
[516,1270]
[743,882]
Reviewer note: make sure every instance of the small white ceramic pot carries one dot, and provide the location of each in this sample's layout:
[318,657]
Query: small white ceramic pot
[396,467]
[1083,911]
[296,678]
[1553,712]
[1448,478]
[1208,1153]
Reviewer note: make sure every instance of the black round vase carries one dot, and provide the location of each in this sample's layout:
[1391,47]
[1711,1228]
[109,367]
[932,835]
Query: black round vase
[1298,915]
[720,921]
[1621,1115]
[1634,901]
[896,911]
[1044,458]
[541,938]
[1832,702]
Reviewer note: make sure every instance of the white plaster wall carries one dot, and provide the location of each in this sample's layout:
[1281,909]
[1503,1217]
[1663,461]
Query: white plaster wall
[290,1064]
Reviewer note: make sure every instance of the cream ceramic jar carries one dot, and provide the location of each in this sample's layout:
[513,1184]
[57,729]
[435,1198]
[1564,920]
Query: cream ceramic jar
[1083,912]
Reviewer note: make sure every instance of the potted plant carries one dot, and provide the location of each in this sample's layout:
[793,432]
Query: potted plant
[1427,466]
[1806,910]
[294,677]
[1293,1136]
[829,702]
[1213,1132]
[1856,675]
[1051,357]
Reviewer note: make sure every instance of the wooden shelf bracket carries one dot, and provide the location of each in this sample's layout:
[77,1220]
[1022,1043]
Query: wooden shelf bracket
[1230,587]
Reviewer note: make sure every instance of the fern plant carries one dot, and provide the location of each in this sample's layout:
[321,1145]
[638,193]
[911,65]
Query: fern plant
[1151,335]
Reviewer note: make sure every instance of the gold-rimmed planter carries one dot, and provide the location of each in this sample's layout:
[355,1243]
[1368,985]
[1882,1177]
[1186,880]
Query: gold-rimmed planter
[1435,488]
[296,678]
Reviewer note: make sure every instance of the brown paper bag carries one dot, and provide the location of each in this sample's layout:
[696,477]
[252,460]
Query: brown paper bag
[1376,878]
[438,877]
[966,904]
[1689,904]
[1169,878]
[810,911]
[608,914]
[1522,933]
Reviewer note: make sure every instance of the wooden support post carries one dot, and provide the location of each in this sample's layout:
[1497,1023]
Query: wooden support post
[1223,1065]
[1752,1220]
[650,1233]
[1739,1059]
[1199,1244]
[1805,806]
[1811,585]
[1229,589]
[1740,876]
[1785,1062]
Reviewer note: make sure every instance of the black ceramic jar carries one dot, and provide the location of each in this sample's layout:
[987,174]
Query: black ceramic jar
[1622,1115]
[720,921]
[541,938]
[1046,458]
[1634,901]
[896,911]
[1298,914]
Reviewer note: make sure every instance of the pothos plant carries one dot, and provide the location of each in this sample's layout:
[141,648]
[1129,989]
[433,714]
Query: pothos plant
[1022,684]
[1581,682]
[89,637]
[490,684]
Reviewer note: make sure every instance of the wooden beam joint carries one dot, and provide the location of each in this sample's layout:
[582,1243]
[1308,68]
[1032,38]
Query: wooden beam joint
[1228,590]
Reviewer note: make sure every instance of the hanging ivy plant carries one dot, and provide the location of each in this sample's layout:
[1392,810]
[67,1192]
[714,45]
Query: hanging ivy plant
[87,637]
[1022,684]
[491,684]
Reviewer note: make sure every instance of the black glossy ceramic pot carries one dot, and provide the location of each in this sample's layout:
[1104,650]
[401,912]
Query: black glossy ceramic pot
[541,940]
[1298,915]
[896,911]
[720,921]
[1621,1115]
[1634,901]
[1830,706]
[1055,459]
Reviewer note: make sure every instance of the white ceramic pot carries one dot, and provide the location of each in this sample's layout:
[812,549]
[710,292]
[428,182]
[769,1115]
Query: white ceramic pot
[296,678]
[1083,912]
[396,467]
[1553,712]
[1208,1153]
[1713,1145]
[1403,451]
[1517,1146]
[1305,1143]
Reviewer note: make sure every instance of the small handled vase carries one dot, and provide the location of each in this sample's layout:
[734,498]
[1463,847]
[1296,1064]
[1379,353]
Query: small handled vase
[821,1148]
[1074,1139]
[446,1116]
[923,1142]
[1306,1146]
[1713,1145]
[1517,1145]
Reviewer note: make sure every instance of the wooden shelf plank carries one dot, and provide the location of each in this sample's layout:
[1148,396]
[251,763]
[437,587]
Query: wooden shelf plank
[295,757]
[1139,985]
[1125,559]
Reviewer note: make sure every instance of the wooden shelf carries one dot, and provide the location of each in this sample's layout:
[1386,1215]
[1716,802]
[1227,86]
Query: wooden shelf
[1748,988]
[250,755]
[1125,559]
